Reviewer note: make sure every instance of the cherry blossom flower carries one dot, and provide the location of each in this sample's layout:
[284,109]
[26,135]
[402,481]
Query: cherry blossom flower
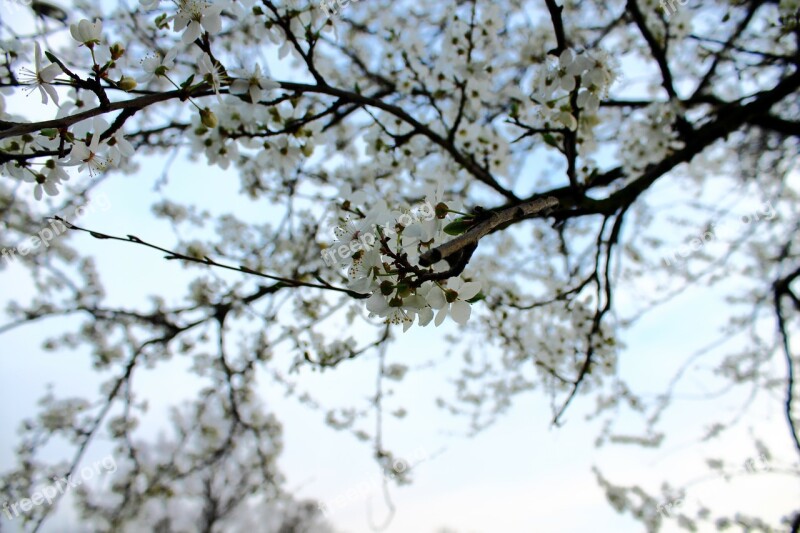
[253,83]
[88,152]
[41,78]
[453,300]
[87,33]
[43,184]
[154,65]
[390,310]
[118,148]
[211,73]
[196,15]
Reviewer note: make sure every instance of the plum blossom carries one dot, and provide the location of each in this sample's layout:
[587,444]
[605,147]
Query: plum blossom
[87,33]
[453,300]
[391,310]
[154,65]
[253,83]
[118,148]
[43,184]
[194,16]
[41,78]
[211,73]
[380,251]
[89,152]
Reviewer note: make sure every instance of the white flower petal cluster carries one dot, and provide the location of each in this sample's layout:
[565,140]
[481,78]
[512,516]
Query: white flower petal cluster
[154,65]
[48,181]
[194,16]
[381,252]
[253,83]
[651,138]
[41,77]
[87,33]
[591,74]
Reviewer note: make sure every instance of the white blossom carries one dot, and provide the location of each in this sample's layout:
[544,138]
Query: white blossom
[87,33]
[40,77]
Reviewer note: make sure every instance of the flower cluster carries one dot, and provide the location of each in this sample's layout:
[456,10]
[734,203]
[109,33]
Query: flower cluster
[651,138]
[590,75]
[387,265]
[90,145]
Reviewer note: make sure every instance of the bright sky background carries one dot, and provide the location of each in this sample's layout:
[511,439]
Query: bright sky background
[521,475]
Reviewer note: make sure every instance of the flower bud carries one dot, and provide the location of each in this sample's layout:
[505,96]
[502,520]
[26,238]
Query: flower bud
[441,210]
[126,83]
[208,118]
[403,290]
[387,287]
[117,51]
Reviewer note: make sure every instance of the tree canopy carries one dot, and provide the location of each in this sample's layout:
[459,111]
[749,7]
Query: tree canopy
[500,170]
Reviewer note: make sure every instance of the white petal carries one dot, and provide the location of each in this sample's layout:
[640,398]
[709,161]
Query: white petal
[192,32]
[267,84]
[425,316]
[43,93]
[50,72]
[469,290]
[75,32]
[440,316]
[51,91]
[565,58]
[255,94]
[377,304]
[460,311]
[240,86]
[212,23]
[436,298]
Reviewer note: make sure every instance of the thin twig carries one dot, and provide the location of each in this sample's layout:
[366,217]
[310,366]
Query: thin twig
[172,255]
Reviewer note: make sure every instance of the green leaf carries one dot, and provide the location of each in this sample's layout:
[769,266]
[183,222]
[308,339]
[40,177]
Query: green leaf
[477,298]
[549,139]
[457,227]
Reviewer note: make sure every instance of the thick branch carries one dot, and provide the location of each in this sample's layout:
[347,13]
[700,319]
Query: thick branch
[495,220]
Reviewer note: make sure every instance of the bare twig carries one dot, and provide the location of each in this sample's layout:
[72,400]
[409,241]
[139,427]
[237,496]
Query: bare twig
[171,255]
